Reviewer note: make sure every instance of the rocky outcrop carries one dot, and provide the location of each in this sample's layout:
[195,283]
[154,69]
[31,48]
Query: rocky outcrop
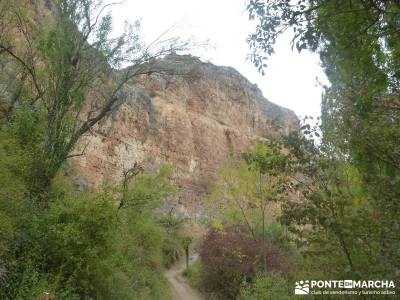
[195,122]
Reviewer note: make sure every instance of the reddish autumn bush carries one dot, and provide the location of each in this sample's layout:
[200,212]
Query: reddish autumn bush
[229,258]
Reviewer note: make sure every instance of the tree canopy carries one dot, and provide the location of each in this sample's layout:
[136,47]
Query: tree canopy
[358,157]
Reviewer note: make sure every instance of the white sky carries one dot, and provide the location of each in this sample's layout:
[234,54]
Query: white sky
[290,79]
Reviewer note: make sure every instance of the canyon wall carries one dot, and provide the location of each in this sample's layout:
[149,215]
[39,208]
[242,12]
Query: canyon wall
[194,121]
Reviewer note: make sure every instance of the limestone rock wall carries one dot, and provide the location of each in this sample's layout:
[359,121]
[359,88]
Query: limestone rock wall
[194,122]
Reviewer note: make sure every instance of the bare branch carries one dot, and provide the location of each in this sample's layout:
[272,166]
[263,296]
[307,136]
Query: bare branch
[30,70]
[79,154]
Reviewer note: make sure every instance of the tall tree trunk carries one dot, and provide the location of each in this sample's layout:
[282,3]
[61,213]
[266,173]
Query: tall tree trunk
[187,257]
[264,244]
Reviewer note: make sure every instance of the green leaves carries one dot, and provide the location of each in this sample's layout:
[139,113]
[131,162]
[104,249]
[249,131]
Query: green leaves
[186,241]
[350,185]
[247,189]
[266,287]
[267,159]
[146,192]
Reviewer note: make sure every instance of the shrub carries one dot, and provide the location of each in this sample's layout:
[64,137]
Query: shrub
[77,241]
[266,287]
[80,247]
[171,251]
[193,274]
[231,258]
[171,248]
[137,262]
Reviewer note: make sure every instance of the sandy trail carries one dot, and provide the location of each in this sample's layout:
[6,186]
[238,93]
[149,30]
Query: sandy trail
[181,289]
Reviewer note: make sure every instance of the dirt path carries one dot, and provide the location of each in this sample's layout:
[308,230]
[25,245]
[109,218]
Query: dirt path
[181,289]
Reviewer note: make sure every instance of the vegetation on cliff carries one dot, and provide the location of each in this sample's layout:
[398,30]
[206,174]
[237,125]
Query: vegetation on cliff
[356,166]
[56,242]
[322,203]
[340,212]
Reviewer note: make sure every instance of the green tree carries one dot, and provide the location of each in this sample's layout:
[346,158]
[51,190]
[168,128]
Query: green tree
[332,219]
[186,241]
[266,287]
[83,245]
[358,44]
[71,72]
[62,71]
[248,188]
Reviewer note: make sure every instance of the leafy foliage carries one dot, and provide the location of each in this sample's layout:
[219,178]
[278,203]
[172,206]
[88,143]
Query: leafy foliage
[248,188]
[266,287]
[193,274]
[172,246]
[230,258]
[81,246]
[61,73]
[348,213]
[71,72]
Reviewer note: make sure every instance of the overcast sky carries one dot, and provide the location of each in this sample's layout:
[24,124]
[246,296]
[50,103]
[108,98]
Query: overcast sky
[290,79]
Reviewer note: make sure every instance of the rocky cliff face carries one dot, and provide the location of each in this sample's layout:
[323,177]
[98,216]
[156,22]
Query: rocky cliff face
[195,122]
